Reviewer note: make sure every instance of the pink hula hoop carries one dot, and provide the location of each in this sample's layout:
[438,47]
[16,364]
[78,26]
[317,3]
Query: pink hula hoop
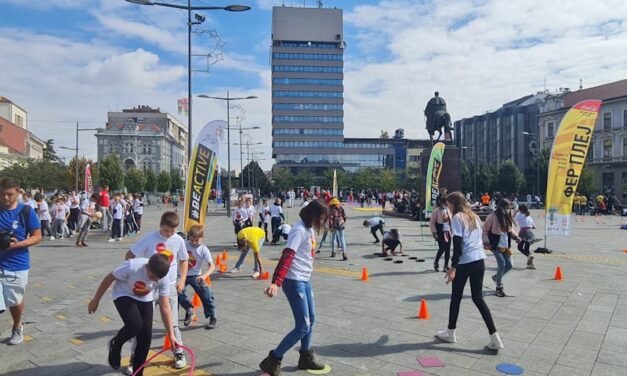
[185,348]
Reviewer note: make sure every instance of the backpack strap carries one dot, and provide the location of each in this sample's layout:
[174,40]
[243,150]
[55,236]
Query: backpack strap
[25,217]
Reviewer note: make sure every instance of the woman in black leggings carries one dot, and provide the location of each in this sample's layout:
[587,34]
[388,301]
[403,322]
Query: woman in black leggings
[467,263]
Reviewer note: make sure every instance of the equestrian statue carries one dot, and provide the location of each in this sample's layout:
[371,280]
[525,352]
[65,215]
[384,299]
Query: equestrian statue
[438,118]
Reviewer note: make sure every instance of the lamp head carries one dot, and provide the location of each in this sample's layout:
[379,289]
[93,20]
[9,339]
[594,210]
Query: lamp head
[141,2]
[236,8]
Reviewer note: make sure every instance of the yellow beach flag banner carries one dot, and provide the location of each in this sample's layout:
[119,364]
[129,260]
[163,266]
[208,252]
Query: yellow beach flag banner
[432,192]
[335,183]
[568,156]
[202,166]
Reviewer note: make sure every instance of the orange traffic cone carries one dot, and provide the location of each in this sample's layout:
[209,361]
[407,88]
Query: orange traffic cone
[224,256]
[364,274]
[423,314]
[265,276]
[222,268]
[218,261]
[197,303]
[558,274]
[166,344]
[208,281]
[625,250]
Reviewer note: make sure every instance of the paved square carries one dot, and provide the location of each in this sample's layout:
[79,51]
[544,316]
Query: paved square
[574,327]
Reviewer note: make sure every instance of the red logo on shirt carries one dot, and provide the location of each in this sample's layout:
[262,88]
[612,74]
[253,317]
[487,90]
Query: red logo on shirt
[192,260]
[161,248]
[140,289]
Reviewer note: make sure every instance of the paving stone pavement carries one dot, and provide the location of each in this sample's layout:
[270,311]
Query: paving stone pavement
[574,327]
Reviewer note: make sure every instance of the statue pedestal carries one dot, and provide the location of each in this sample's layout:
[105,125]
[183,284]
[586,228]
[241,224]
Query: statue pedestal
[451,175]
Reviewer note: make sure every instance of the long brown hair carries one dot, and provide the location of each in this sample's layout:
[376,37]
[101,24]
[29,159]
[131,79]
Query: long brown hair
[460,205]
[503,215]
[314,214]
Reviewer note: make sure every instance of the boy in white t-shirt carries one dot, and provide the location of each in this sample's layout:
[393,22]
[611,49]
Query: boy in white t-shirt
[198,254]
[60,212]
[135,281]
[44,215]
[117,209]
[281,232]
[169,243]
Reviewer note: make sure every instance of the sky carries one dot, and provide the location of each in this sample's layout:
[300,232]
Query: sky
[73,60]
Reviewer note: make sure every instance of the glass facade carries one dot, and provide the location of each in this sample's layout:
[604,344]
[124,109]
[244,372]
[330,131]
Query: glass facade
[299,56]
[298,93]
[307,106]
[307,144]
[297,44]
[349,160]
[306,69]
[307,119]
[306,81]
[307,131]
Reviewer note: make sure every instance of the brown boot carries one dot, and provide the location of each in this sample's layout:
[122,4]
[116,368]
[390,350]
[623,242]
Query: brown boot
[271,365]
[307,360]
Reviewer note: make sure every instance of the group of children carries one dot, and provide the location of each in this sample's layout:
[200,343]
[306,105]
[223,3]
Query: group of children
[127,214]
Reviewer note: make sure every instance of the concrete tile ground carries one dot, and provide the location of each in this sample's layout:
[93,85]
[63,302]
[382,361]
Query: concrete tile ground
[574,327]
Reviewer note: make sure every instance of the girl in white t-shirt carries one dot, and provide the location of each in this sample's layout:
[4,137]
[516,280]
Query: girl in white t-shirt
[264,218]
[293,273]
[467,263]
[526,225]
[135,281]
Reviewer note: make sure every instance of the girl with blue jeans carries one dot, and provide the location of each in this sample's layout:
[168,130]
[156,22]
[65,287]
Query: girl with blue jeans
[293,274]
[498,230]
[337,221]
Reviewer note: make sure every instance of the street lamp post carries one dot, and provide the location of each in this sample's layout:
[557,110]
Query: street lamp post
[536,153]
[228,100]
[75,149]
[248,158]
[201,19]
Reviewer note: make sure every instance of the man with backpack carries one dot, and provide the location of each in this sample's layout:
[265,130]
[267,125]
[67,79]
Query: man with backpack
[19,229]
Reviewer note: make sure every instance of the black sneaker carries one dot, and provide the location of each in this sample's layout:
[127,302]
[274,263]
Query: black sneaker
[344,257]
[212,323]
[114,355]
[189,315]
[494,278]
[332,254]
[499,292]
[436,267]
[446,269]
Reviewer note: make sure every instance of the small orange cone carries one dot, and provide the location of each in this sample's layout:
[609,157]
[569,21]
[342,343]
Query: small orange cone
[166,344]
[222,268]
[218,261]
[625,250]
[364,274]
[558,274]
[265,276]
[224,256]
[208,281]
[197,303]
[423,314]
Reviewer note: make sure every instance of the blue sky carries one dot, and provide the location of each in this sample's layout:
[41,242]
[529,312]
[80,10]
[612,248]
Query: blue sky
[69,60]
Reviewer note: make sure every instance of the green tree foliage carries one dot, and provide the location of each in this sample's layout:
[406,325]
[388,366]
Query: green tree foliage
[588,183]
[50,154]
[253,176]
[304,178]
[509,179]
[468,180]
[71,173]
[164,182]
[41,174]
[282,179]
[135,180]
[176,180]
[111,172]
[151,181]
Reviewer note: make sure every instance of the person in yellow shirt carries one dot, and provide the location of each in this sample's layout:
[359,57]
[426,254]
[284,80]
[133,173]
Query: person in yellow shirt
[583,203]
[250,238]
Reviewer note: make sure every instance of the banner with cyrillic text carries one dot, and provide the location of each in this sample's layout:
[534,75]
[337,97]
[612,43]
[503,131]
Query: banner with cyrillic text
[432,192]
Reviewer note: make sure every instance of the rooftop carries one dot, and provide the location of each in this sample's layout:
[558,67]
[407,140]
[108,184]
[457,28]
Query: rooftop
[603,92]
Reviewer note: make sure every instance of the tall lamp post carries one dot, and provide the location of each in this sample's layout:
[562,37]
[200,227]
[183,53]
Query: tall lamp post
[75,149]
[247,156]
[199,19]
[474,179]
[228,100]
[536,153]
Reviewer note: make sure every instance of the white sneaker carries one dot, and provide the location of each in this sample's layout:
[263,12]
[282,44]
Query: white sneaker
[495,342]
[128,371]
[179,361]
[255,275]
[235,270]
[447,335]
[52,238]
[17,336]
[118,239]
[111,240]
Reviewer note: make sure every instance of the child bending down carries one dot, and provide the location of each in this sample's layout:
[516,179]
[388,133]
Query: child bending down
[391,240]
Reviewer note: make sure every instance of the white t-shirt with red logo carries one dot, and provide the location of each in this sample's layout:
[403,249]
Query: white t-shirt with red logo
[60,211]
[301,240]
[198,256]
[173,247]
[131,279]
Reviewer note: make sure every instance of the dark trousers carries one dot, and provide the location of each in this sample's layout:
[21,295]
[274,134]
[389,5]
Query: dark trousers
[264,226]
[523,247]
[204,292]
[138,221]
[116,229]
[373,231]
[72,221]
[137,318]
[275,223]
[45,227]
[473,271]
[443,245]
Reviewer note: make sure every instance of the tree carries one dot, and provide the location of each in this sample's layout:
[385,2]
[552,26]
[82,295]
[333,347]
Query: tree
[71,173]
[282,179]
[163,182]
[384,135]
[253,176]
[32,174]
[111,172]
[304,178]
[50,154]
[510,179]
[468,182]
[587,182]
[176,181]
[135,180]
[151,181]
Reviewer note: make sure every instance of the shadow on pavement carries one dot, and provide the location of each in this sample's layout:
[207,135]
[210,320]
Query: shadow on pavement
[349,350]
[63,369]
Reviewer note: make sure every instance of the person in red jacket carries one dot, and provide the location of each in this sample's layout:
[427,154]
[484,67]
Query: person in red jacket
[103,203]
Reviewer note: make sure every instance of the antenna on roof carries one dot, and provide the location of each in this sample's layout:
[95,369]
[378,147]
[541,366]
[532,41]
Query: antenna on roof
[580,83]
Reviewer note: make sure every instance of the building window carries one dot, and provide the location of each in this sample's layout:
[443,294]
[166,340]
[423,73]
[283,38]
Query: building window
[295,56]
[590,155]
[550,129]
[607,121]
[608,181]
[308,69]
[307,119]
[317,94]
[19,121]
[306,81]
[413,158]
[307,106]
[625,119]
[607,148]
[625,148]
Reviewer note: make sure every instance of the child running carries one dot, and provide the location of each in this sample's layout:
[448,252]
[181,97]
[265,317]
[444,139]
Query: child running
[467,263]
[526,224]
[250,238]
[87,216]
[498,230]
[441,230]
[375,224]
[135,280]
[166,241]
[117,209]
[293,274]
[391,240]
[198,254]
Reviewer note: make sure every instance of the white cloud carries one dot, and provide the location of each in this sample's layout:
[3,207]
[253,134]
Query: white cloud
[48,4]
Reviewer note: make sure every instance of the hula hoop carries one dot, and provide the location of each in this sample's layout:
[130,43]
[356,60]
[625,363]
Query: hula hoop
[185,348]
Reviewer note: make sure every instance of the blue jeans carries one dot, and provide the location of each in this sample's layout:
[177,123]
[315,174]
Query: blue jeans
[338,235]
[301,299]
[243,255]
[204,292]
[504,263]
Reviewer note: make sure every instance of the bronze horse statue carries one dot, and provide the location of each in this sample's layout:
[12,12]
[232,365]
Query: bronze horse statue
[438,118]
